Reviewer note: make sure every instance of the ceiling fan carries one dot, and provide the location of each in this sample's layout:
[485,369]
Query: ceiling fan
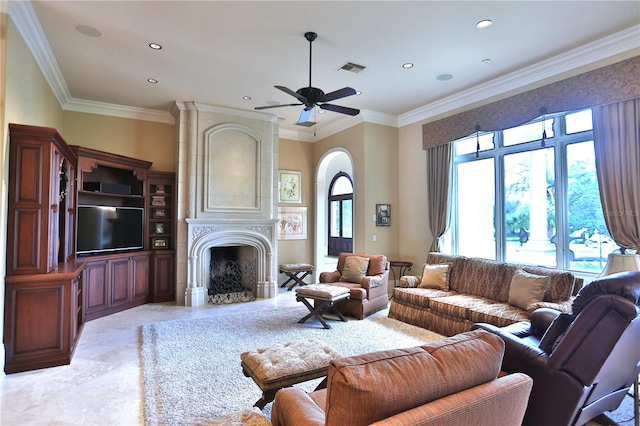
[312,96]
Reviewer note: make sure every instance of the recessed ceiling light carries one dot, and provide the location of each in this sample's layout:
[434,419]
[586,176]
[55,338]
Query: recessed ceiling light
[246,98]
[485,23]
[486,61]
[152,80]
[407,65]
[88,31]
[358,92]
[321,111]
[155,46]
[444,77]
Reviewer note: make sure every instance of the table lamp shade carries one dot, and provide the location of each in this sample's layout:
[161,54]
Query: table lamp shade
[621,263]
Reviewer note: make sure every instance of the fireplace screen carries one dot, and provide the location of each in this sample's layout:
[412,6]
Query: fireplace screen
[231,280]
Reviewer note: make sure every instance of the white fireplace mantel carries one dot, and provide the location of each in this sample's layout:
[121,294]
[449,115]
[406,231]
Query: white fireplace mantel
[204,234]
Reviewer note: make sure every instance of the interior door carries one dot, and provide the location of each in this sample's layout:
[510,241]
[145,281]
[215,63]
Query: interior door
[340,215]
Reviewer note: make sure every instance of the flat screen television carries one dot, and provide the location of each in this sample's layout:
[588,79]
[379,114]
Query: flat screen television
[109,229]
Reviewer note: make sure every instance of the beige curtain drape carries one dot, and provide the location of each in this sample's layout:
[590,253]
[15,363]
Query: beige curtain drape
[616,129]
[439,176]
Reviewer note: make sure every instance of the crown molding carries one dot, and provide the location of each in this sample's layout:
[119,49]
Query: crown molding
[122,111]
[602,49]
[628,40]
[26,21]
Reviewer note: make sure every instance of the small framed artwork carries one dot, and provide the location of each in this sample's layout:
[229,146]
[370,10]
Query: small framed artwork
[292,223]
[159,228]
[289,186]
[159,213]
[383,215]
[160,243]
[160,189]
[157,201]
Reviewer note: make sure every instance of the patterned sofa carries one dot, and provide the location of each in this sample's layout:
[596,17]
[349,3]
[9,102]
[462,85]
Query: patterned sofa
[472,290]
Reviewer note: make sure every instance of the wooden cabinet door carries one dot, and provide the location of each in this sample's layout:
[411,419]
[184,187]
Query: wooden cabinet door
[119,281]
[95,281]
[140,276]
[35,325]
[163,281]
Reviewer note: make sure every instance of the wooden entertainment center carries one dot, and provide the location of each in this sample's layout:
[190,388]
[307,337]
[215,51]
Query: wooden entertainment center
[50,289]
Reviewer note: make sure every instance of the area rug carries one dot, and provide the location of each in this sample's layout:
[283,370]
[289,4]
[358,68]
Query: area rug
[191,368]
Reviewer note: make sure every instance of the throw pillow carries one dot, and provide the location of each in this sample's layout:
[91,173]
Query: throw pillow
[526,289]
[435,276]
[354,270]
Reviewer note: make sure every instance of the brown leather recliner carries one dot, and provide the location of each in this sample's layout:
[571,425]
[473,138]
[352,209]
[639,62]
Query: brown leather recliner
[367,296]
[582,364]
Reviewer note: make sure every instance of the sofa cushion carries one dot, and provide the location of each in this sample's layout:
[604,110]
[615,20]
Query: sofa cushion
[561,283]
[355,268]
[455,269]
[435,276]
[366,388]
[418,296]
[497,313]
[456,305]
[483,277]
[526,289]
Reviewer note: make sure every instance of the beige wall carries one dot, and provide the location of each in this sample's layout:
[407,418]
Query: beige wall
[145,140]
[413,234]
[294,155]
[373,149]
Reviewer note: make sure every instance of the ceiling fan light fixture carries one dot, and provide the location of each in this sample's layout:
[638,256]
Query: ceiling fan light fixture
[311,96]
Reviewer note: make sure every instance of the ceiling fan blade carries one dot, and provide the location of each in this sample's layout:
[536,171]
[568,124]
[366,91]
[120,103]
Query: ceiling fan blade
[292,93]
[340,109]
[337,94]
[276,106]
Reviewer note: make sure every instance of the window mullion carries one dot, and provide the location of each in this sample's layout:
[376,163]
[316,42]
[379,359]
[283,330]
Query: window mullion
[499,222]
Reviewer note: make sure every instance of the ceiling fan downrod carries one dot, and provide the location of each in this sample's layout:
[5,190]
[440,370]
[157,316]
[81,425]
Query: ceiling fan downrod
[310,36]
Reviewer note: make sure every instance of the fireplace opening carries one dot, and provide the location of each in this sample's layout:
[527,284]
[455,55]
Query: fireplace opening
[232,274]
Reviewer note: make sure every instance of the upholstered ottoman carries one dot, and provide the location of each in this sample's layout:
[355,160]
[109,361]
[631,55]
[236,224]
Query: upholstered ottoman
[296,273]
[284,365]
[325,298]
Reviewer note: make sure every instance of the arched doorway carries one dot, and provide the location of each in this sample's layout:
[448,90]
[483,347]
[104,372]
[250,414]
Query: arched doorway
[331,163]
[340,214]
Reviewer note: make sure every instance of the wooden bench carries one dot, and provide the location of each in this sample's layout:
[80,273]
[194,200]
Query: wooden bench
[325,298]
[296,272]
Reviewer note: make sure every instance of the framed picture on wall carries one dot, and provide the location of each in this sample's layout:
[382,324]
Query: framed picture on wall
[289,186]
[383,215]
[292,223]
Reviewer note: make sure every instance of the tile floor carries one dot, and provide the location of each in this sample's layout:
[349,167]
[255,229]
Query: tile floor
[103,384]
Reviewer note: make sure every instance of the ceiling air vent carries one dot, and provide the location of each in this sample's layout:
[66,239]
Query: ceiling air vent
[352,67]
